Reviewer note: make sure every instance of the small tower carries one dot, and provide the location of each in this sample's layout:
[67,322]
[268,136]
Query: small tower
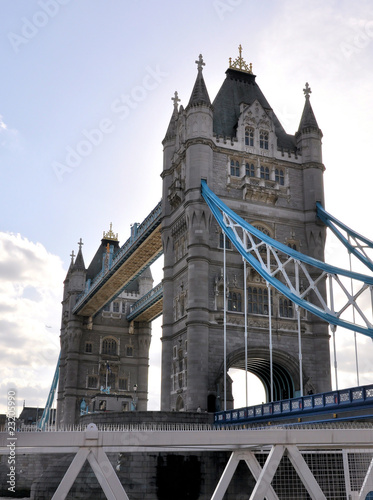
[104,356]
[70,338]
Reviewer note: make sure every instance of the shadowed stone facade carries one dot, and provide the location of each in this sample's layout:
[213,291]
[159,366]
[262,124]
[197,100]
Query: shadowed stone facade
[104,351]
[273,180]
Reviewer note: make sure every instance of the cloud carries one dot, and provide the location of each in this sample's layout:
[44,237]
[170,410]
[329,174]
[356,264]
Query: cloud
[2,124]
[9,137]
[30,296]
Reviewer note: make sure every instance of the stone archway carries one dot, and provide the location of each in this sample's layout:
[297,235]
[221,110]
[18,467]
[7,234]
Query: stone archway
[179,404]
[285,370]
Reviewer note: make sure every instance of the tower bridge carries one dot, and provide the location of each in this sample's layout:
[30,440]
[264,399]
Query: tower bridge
[242,229]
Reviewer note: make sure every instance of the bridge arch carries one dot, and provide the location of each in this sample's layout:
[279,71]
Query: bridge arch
[285,370]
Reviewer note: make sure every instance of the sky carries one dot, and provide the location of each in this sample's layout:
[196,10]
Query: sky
[85,100]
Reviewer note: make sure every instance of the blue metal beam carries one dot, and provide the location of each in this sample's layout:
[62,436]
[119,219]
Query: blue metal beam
[220,210]
[333,224]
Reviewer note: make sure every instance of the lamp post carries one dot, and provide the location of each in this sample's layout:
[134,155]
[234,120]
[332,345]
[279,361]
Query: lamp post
[134,398]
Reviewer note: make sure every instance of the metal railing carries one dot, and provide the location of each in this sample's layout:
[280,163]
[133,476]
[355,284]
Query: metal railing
[305,405]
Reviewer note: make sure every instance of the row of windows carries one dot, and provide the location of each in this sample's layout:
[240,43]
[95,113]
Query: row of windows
[263,138]
[257,303]
[109,346]
[115,307]
[251,171]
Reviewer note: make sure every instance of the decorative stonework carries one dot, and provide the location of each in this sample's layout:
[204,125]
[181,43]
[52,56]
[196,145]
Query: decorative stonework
[240,64]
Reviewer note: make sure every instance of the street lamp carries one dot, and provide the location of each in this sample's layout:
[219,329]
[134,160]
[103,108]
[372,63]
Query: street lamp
[134,398]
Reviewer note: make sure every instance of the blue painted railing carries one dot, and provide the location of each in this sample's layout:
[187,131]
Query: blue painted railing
[150,298]
[304,405]
[141,232]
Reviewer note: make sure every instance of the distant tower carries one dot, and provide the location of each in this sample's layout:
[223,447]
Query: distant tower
[273,180]
[106,351]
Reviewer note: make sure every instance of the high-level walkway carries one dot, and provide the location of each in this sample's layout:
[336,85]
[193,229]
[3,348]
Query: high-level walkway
[138,252]
[311,451]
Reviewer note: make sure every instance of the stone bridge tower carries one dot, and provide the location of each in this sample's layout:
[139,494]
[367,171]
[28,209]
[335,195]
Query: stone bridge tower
[273,180]
[104,360]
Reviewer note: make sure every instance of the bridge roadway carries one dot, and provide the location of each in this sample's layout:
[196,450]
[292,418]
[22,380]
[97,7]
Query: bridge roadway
[137,253]
[93,445]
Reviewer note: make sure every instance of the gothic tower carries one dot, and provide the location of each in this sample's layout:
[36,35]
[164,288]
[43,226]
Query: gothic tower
[103,355]
[273,180]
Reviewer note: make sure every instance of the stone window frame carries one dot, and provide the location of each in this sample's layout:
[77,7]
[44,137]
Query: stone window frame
[249,136]
[90,382]
[265,173]
[285,307]
[123,383]
[261,302]
[264,139]
[250,169]
[234,301]
[235,167]
[280,176]
[88,349]
[228,243]
[107,344]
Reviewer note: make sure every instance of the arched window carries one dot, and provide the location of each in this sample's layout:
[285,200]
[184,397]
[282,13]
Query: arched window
[249,136]
[257,300]
[286,308]
[109,346]
[234,301]
[250,169]
[279,176]
[235,168]
[228,244]
[263,139]
[92,382]
[264,173]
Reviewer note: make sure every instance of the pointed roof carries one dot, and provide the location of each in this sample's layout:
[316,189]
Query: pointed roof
[79,262]
[241,87]
[171,130]
[308,119]
[72,255]
[199,93]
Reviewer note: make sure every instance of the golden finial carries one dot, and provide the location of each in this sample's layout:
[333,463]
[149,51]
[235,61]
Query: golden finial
[240,64]
[110,235]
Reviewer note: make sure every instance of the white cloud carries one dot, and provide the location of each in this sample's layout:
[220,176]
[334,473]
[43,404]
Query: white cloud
[9,137]
[2,124]
[30,296]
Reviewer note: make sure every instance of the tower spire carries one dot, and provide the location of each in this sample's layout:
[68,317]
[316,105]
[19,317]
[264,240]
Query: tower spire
[199,93]
[308,119]
[79,261]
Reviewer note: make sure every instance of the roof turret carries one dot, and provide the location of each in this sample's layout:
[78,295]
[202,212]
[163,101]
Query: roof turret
[171,130]
[199,94]
[79,261]
[308,120]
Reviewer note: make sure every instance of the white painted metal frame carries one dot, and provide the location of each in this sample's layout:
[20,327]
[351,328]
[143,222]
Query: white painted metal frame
[93,445]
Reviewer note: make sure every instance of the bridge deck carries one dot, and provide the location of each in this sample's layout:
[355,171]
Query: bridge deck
[134,256]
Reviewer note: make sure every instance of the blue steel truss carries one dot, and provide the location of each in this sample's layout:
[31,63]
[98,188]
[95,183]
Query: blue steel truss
[300,278]
[45,417]
[360,242]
